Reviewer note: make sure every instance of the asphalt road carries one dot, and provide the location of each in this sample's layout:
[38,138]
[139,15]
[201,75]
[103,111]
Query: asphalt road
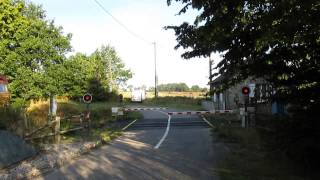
[149,149]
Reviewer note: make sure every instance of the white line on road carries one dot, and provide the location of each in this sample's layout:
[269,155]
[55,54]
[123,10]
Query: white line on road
[207,121]
[129,125]
[165,133]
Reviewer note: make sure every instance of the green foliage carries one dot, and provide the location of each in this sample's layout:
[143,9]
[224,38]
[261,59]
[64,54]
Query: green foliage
[95,74]
[276,40]
[32,56]
[251,154]
[108,135]
[175,102]
[97,90]
[195,88]
[32,50]
[296,137]
[178,87]
[10,118]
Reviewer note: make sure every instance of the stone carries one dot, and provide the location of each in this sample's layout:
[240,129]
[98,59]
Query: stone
[13,149]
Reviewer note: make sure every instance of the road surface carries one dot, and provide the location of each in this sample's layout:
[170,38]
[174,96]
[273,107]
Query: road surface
[150,149]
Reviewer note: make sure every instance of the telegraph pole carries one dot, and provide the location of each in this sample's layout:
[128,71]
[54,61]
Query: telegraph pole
[110,76]
[210,72]
[155,71]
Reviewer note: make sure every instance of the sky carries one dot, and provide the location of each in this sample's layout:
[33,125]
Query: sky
[91,28]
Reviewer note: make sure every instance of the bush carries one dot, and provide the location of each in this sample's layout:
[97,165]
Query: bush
[11,119]
[296,136]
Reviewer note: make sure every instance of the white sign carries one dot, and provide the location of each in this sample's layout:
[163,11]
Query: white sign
[252,88]
[114,110]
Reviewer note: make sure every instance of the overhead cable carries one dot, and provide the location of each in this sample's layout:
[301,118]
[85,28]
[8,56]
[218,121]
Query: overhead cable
[120,23]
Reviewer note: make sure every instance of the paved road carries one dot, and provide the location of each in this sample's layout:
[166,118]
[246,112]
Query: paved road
[187,152]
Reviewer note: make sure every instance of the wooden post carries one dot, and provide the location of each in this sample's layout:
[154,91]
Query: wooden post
[56,128]
[25,119]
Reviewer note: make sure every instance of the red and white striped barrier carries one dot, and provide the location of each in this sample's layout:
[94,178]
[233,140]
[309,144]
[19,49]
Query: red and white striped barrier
[222,111]
[143,109]
[200,112]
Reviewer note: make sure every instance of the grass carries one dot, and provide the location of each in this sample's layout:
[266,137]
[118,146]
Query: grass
[175,102]
[37,113]
[103,135]
[150,95]
[248,158]
[102,123]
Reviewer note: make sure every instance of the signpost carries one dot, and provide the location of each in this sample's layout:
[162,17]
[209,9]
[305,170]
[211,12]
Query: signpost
[245,91]
[87,99]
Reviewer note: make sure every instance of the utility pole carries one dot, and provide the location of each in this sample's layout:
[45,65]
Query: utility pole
[155,71]
[210,72]
[110,76]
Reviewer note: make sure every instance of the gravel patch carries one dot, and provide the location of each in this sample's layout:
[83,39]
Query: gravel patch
[51,156]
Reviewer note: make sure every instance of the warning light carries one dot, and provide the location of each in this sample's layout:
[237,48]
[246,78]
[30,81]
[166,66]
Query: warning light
[87,98]
[245,90]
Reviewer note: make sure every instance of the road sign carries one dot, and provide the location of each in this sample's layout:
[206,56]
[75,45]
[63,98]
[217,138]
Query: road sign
[87,98]
[252,89]
[245,90]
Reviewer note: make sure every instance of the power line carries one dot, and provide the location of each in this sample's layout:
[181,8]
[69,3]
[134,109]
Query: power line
[120,23]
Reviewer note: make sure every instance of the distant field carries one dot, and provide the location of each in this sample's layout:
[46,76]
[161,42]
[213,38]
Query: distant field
[169,94]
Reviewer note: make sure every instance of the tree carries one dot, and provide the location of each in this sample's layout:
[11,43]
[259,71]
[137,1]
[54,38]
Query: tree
[195,88]
[276,40]
[79,70]
[94,73]
[177,87]
[32,50]
[109,67]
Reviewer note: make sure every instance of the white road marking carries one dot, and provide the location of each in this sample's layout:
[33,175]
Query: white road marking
[165,133]
[129,125]
[207,121]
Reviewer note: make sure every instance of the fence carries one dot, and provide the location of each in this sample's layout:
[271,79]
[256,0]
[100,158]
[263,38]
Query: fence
[73,123]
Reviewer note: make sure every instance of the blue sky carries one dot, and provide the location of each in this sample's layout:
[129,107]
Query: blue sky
[91,28]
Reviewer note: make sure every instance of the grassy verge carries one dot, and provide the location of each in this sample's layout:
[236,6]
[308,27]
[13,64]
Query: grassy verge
[175,102]
[248,158]
[103,125]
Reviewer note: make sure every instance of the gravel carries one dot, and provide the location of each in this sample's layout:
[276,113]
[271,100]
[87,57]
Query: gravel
[51,156]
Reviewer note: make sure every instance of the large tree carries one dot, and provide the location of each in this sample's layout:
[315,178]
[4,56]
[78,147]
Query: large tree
[276,40]
[95,73]
[32,50]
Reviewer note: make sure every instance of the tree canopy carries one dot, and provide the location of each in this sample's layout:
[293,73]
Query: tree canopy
[96,73]
[178,87]
[32,50]
[33,57]
[276,40]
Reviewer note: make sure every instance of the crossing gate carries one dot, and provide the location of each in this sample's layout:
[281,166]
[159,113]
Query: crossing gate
[200,112]
[119,111]
[144,109]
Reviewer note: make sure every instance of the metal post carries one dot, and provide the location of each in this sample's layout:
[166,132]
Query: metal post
[110,76]
[155,71]
[52,108]
[210,70]
[246,110]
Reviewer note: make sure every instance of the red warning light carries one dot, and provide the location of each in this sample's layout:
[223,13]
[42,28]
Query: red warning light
[87,98]
[245,90]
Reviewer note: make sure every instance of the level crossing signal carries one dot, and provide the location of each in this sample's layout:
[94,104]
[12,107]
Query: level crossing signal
[87,98]
[245,90]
